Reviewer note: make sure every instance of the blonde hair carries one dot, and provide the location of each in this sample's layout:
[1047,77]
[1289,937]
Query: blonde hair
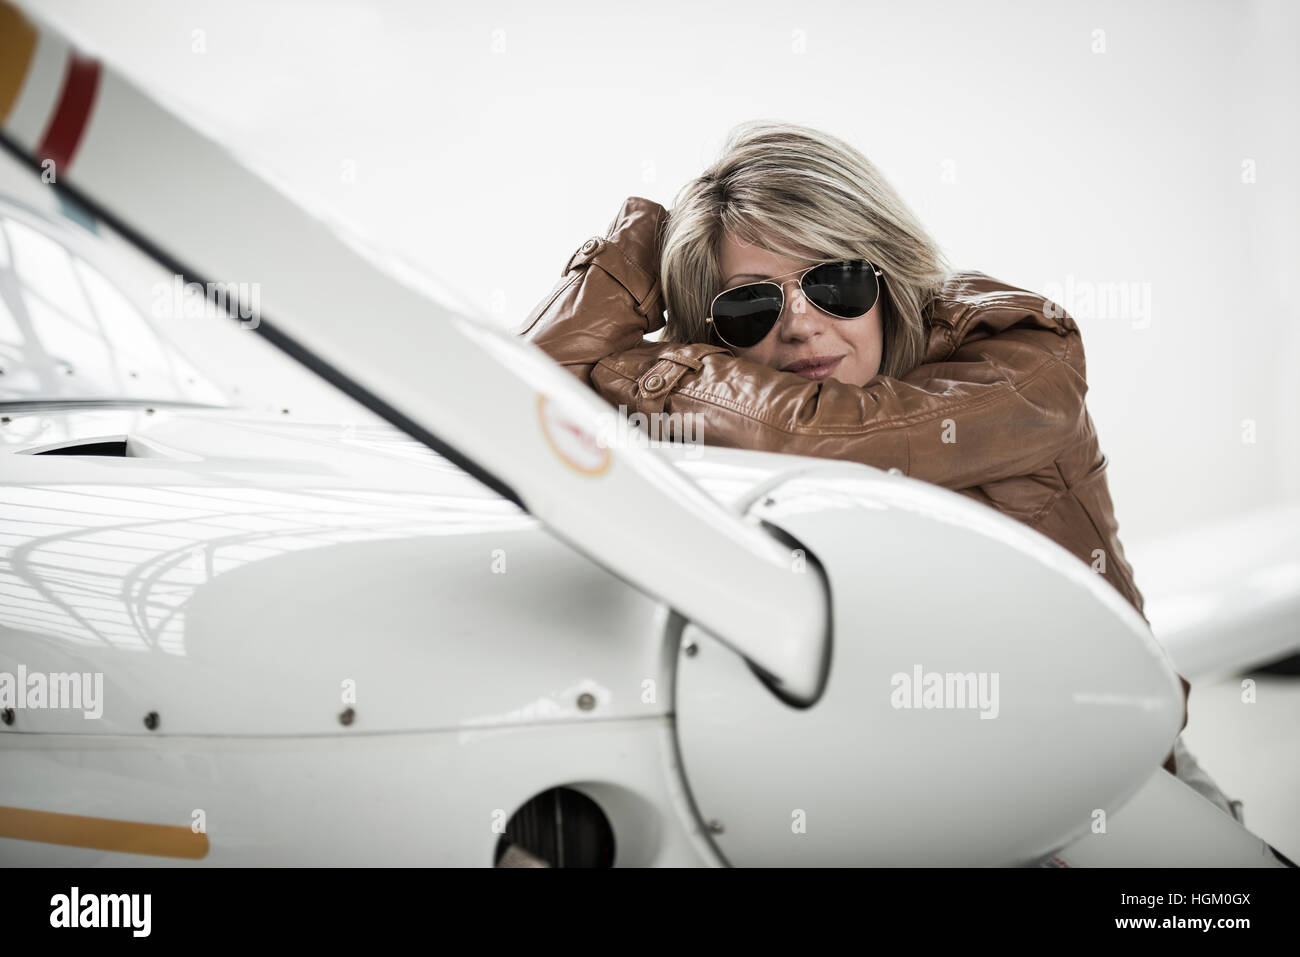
[807,195]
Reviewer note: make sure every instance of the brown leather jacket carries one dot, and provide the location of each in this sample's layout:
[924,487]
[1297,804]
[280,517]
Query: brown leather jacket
[995,411]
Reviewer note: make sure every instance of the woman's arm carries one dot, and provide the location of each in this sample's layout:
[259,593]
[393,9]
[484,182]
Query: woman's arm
[946,422]
[997,407]
[609,295]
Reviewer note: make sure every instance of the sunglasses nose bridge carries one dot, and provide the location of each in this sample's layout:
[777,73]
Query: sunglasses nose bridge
[790,305]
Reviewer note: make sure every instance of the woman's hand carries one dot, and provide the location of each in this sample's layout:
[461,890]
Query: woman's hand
[945,422]
[609,296]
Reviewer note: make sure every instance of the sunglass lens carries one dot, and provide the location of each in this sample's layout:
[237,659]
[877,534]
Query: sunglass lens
[844,289]
[744,316]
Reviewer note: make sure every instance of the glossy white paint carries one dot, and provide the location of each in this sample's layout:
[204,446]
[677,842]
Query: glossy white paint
[234,578]
[1166,824]
[504,700]
[500,401]
[1084,705]
[75,321]
[370,799]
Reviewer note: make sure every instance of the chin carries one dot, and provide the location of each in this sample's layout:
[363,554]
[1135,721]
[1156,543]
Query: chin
[858,379]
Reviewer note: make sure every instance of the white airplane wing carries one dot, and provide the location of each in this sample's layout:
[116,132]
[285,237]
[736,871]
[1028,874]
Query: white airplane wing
[1225,597]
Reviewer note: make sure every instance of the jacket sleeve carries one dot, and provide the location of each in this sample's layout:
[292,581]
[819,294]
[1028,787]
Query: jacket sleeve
[997,406]
[608,297]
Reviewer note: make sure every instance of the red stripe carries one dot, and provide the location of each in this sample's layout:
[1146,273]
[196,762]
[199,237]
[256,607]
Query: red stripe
[68,123]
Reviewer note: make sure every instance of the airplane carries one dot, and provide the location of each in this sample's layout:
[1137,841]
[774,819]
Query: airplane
[458,629]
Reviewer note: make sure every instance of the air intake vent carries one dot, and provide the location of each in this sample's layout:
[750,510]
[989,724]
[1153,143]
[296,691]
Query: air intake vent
[557,828]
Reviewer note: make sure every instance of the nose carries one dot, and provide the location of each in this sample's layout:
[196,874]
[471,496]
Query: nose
[799,320]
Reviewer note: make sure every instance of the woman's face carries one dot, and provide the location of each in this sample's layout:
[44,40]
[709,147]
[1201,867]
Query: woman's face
[805,340]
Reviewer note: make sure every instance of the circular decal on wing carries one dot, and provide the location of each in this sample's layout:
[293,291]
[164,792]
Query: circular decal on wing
[577,447]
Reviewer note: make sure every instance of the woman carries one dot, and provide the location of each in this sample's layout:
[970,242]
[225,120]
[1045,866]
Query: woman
[808,312]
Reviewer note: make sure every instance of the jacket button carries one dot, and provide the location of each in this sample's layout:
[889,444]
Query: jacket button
[589,245]
[654,382]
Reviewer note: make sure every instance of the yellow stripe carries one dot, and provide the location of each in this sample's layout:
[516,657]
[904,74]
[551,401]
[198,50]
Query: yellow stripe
[17,44]
[102,833]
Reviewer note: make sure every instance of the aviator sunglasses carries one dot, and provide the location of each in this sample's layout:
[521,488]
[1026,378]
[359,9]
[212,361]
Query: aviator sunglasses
[742,316]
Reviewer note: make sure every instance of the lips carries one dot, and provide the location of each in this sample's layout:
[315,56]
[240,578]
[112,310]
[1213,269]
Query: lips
[814,367]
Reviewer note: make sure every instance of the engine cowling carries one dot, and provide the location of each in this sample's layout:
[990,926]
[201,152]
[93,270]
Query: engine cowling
[987,693]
